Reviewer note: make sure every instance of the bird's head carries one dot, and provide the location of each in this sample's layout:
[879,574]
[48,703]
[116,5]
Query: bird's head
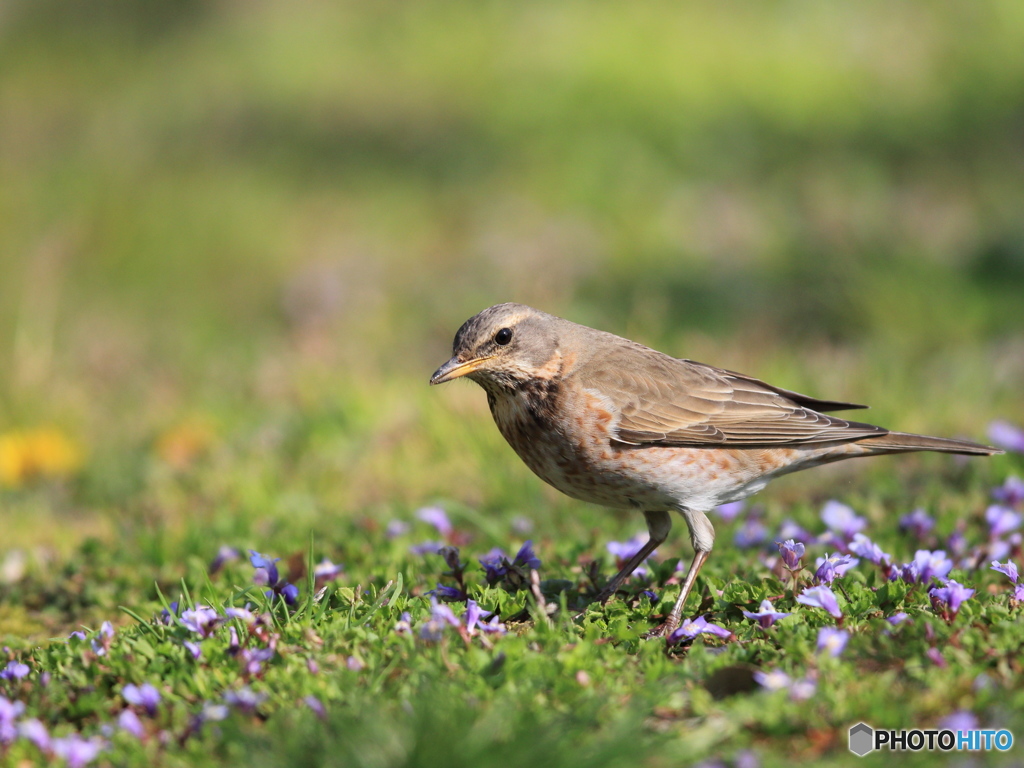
[501,347]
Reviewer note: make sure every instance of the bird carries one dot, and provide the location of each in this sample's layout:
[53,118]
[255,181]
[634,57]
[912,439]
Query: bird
[610,421]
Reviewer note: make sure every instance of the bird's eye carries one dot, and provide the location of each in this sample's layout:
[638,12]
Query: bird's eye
[503,337]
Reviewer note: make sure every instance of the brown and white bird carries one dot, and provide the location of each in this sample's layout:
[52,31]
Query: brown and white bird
[610,421]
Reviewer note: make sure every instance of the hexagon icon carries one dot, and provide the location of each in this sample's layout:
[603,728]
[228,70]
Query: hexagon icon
[862,739]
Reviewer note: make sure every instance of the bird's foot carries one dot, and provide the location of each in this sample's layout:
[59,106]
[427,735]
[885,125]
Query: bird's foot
[665,629]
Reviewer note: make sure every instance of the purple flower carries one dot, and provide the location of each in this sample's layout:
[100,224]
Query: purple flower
[266,575]
[495,566]
[245,699]
[129,721]
[76,751]
[34,731]
[396,528]
[473,620]
[325,570]
[751,534]
[842,519]
[101,642]
[436,517]
[240,613]
[1001,520]
[426,548]
[832,640]
[917,523]
[353,664]
[935,655]
[316,705]
[777,680]
[958,721]
[690,628]
[201,620]
[897,618]
[766,615]
[225,554]
[14,671]
[404,624]
[266,568]
[525,558]
[166,616]
[77,635]
[925,566]
[145,696]
[253,658]
[831,566]
[1009,569]
[730,511]
[821,597]
[791,552]
[1011,492]
[193,648]
[624,550]
[1006,436]
[440,617]
[9,711]
[790,530]
[451,594]
[864,547]
[949,598]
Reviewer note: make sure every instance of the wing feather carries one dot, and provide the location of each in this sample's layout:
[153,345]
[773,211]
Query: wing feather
[663,400]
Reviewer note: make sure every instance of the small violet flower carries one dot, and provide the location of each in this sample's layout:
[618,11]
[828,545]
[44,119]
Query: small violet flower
[832,566]
[949,598]
[266,575]
[225,555]
[14,670]
[842,519]
[1001,520]
[898,618]
[76,751]
[864,547]
[765,615]
[918,523]
[777,680]
[625,550]
[1006,436]
[832,640]
[436,517]
[791,552]
[34,731]
[202,620]
[130,722]
[751,534]
[730,511]
[1011,492]
[821,597]
[145,696]
[690,628]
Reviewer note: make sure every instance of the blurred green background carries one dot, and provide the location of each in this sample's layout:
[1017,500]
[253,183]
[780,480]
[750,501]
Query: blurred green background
[244,233]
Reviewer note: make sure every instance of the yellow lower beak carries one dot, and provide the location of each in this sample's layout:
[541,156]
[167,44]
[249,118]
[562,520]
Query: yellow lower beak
[455,368]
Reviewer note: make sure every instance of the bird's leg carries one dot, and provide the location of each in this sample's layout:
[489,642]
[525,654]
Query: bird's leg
[702,535]
[676,617]
[658,526]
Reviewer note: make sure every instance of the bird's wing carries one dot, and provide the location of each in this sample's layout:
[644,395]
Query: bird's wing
[666,401]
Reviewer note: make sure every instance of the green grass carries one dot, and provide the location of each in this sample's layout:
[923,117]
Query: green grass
[235,241]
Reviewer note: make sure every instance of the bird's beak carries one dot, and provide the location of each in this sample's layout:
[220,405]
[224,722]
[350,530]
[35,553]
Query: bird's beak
[455,368]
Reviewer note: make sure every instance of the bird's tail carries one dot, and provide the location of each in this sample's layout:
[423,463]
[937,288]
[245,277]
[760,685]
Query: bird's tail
[903,442]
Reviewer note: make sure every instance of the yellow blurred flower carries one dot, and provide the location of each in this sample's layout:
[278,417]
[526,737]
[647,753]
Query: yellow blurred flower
[183,443]
[41,452]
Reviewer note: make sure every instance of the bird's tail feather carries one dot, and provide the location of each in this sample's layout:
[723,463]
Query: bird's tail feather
[904,442]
